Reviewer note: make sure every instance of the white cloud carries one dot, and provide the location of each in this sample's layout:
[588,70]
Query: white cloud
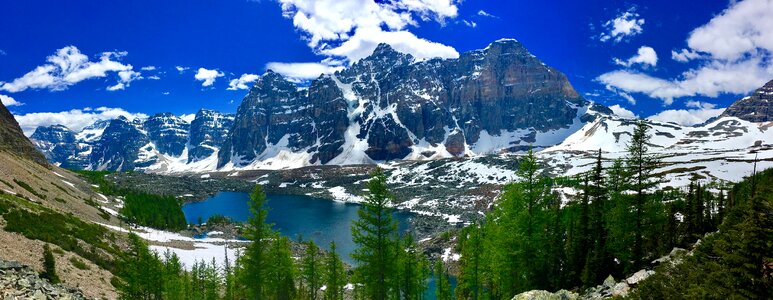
[688,117]
[165,93]
[2,52]
[622,112]
[470,24]
[645,56]
[75,119]
[244,82]
[181,69]
[484,13]
[684,55]
[9,101]
[207,76]
[351,29]
[117,87]
[69,66]
[153,77]
[148,68]
[625,25]
[299,72]
[188,117]
[733,52]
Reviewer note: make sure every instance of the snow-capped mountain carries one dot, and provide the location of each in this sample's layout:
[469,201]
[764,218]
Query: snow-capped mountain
[389,106]
[157,143]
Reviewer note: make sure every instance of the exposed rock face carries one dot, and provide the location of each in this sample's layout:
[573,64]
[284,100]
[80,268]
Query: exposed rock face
[757,107]
[388,106]
[12,138]
[119,147]
[56,142]
[168,132]
[208,131]
[21,282]
[545,295]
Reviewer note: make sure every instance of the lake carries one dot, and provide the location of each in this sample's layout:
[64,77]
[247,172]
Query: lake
[316,219]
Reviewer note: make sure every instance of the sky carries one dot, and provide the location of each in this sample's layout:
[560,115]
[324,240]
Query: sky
[75,62]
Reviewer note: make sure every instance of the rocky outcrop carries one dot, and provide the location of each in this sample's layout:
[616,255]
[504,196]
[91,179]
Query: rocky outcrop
[757,107]
[119,147]
[545,295]
[168,132]
[12,138]
[208,131]
[389,106]
[22,282]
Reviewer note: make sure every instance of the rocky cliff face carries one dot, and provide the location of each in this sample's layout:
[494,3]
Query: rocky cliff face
[757,107]
[389,106]
[12,138]
[208,131]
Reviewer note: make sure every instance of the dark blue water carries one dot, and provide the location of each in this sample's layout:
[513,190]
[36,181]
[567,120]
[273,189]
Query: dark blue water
[311,218]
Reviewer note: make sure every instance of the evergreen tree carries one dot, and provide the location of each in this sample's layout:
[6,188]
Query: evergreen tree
[374,234]
[174,277]
[255,261]
[49,265]
[618,218]
[640,165]
[280,271]
[413,270]
[597,261]
[472,263]
[335,275]
[140,272]
[311,270]
[442,283]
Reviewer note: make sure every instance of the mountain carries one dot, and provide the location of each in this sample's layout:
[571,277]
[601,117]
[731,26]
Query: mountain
[387,106]
[12,139]
[757,107]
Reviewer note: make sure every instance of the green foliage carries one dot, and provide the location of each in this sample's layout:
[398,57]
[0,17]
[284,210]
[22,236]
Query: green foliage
[104,186]
[375,234]
[733,263]
[219,220]
[162,212]
[334,274]
[442,283]
[65,231]
[49,265]
[28,188]
[280,271]
[255,260]
[311,271]
[79,264]
[413,270]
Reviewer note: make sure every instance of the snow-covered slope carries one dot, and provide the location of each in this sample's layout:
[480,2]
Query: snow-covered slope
[722,149]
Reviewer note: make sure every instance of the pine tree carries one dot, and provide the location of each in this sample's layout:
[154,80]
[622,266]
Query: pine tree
[640,165]
[49,265]
[413,270]
[280,271]
[335,275]
[472,263]
[174,285]
[595,266]
[374,234]
[255,261]
[442,284]
[618,217]
[140,272]
[311,270]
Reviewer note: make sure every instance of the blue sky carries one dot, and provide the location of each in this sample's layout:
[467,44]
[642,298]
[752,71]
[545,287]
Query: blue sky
[123,56]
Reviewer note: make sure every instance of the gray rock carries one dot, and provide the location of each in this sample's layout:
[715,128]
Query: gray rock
[545,295]
[757,107]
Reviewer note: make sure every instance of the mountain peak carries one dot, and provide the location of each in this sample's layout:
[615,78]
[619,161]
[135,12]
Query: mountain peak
[757,107]
[12,138]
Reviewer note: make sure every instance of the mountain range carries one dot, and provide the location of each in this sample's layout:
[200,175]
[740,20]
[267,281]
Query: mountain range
[387,106]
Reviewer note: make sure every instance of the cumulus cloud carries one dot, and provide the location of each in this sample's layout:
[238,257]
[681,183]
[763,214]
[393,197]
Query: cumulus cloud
[627,24]
[622,112]
[9,101]
[302,71]
[244,82]
[69,66]
[181,69]
[207,77]
[645,56]
[351,29]
[700,113]
[75,119]
[470,24]
[733,53]
[188,117]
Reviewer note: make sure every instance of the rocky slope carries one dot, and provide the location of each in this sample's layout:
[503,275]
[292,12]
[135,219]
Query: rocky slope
[22,282]
[757,107]
[12,139]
